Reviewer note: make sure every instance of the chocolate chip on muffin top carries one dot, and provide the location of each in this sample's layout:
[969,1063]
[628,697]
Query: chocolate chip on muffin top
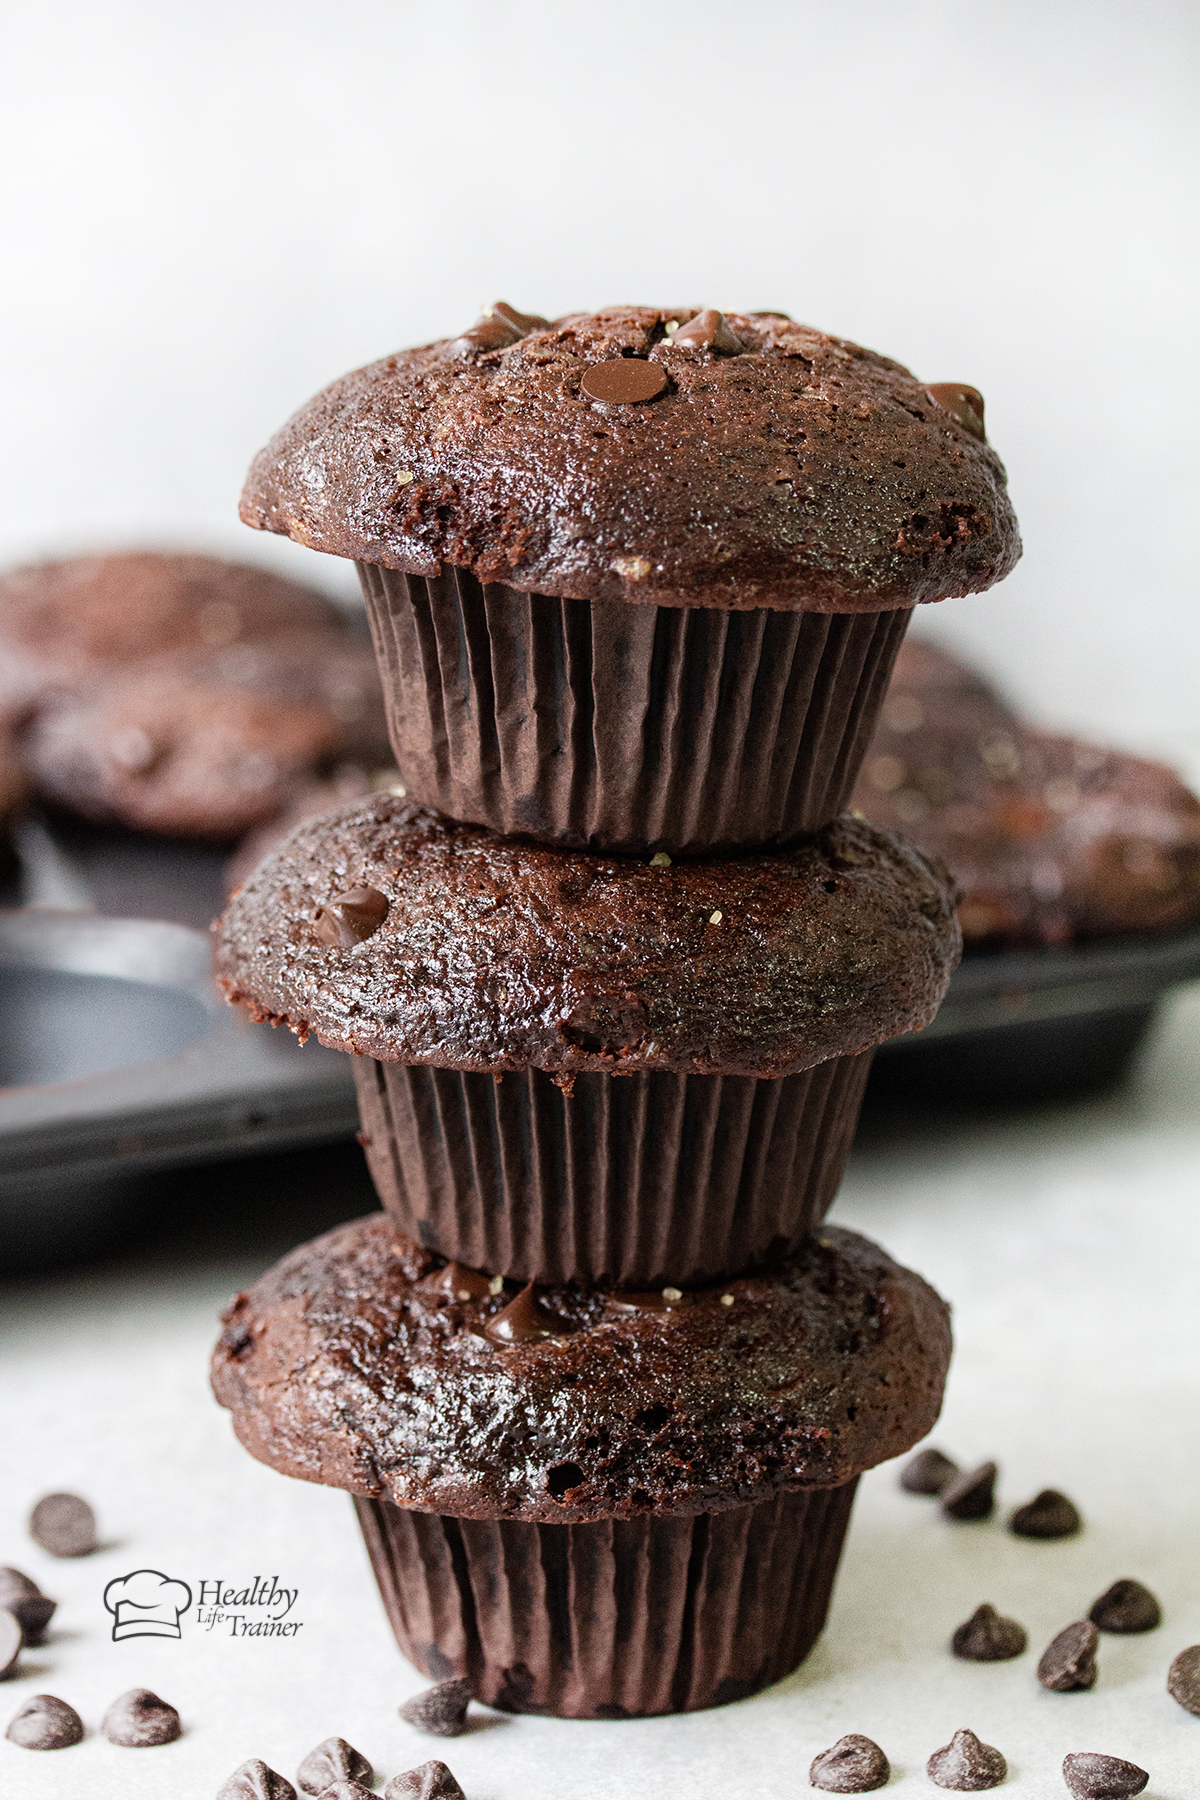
[670,456]
[352,1365]
[495,954]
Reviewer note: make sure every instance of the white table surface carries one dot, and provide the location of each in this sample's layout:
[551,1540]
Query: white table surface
[1068,1240]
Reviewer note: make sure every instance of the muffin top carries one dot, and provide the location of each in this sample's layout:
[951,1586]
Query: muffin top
[670,456]
[361,1361]
[392,931]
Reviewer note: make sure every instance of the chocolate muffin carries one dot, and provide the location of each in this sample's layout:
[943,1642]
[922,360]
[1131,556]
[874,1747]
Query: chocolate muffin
[211,744]
[637,577]
[1054,841]
[683,1047]
[593,1503]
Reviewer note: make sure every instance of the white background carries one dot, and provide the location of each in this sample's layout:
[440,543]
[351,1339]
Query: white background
[211,210]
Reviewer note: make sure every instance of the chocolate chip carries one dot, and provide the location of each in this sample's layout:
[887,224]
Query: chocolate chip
[1069,1660]
[45,1723]
[709,330]
[139,1719]
[971,1495]
[351,918]
[928,1472]
[1183,1681]
[64,1525]
[1049,1515]
[962,403]
[253,1780]
[521,323]
[431,1781]
[500,326]
[346,1790]
[966,1765]
[524,1321]
[624,380]
[1125,1607]
[26,1600]
[456,1282]
[441,1709]
[11,1639]
[854,1765]
[988,1637]
[332,1760]
[1091,1776]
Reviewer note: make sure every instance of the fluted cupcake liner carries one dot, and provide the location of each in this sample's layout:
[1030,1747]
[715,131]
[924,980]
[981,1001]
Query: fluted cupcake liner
[636,1180]
[611,726]
[616,1619]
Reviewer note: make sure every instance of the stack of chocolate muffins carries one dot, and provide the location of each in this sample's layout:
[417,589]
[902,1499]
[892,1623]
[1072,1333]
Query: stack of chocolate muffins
[612,973]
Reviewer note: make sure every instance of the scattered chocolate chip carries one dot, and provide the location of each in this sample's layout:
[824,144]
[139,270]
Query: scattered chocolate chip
[11,1639]
[971,1495]
[928,1472]
[332,1760]
[1091,1776]
[441,1709]
[966,1765]
[1049,1515]
[346,1790]
[709,330]
[431,1781]
[1069,1660]
[624,380]
[854,1765]
[352,917]
[962,403]
[64,1525]
[456,1282]
[1125,1607]
[26,1600]
[524,1320]
[1183,1681]
[139,1719]
[255,1781]
[45,1723]
[988,1637]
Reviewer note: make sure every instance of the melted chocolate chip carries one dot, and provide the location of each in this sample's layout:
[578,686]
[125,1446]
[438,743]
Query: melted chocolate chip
[988,1637]
[25,1599]
[971,1495]
[1125,1607]
[709,330]
[457,1282]
[352,917]
[430,1781]
[441,1710]
[854,1765]
[966,1765]
[139,1719]
[332,1760]
[624,380]
[64,1525]
[521,323]
[253,1780]
[1183,1681]
[500,326]
[928,1472]
[962,403]
[1069,1660]
[11,1639]
[1049,1515]
[524,1320]
[1091,1776]
[45,1723]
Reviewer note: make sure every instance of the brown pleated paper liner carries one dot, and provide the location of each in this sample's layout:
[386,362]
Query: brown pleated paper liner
[609,726]
[613,1619]
[636,1180]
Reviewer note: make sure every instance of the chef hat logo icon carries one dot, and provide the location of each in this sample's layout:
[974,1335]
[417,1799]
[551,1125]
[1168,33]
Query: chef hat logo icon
[146,1604]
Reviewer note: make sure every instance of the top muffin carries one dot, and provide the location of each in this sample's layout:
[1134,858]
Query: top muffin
[668,456]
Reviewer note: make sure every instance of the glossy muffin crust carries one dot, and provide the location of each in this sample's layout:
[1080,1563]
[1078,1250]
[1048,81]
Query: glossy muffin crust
[667,456]
[360,1361]
[481,952]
